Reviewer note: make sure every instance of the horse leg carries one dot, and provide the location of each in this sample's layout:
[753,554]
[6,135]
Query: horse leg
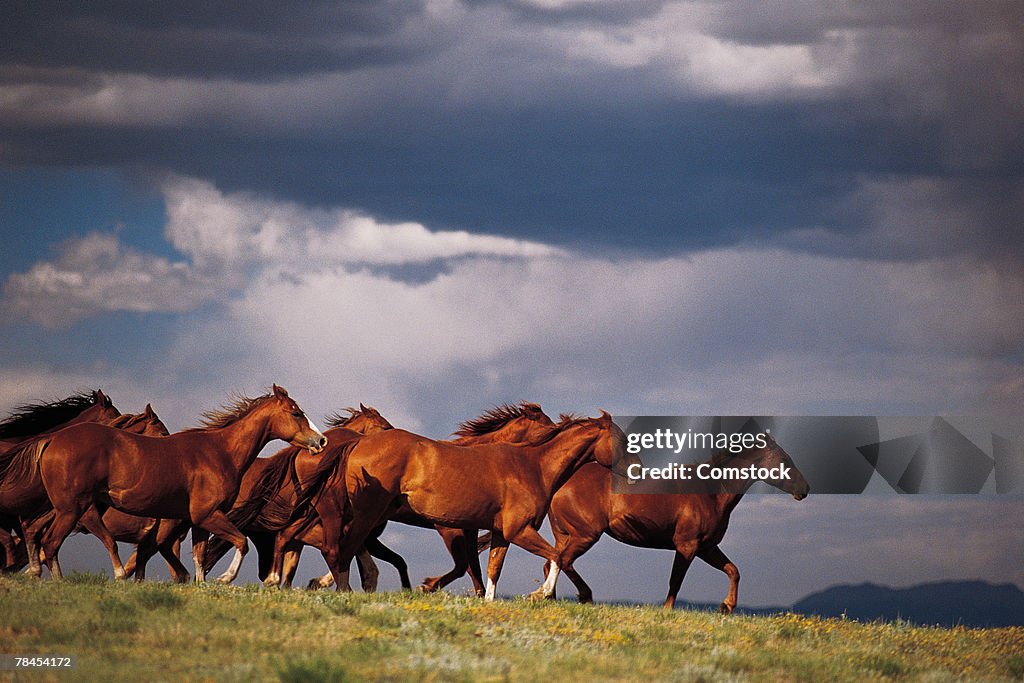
[455,541]
[93,523]
[199,539]
[169,533]
[264,544]
[530,539]
[377,549]
[64,522]
[371,515]
[570,548]
[496,559]
[291,564]
[369,574]
[7,541]
[717,559]
[216,522]
[684,556]
[171,552]
[473,561]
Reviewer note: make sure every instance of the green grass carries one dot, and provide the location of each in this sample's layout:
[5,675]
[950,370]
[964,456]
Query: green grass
[164,632]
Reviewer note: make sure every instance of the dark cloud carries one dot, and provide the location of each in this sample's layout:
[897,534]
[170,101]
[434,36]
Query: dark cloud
[250,40]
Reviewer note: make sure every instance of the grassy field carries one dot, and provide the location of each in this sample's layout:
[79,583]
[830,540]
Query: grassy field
[158,631]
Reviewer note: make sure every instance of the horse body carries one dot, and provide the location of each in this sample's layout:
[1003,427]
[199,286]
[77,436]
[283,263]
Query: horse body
[193,475]
[500,487]
[691,524]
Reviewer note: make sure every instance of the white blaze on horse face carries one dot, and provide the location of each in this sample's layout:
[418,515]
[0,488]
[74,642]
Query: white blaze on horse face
[489,593]
[549,583]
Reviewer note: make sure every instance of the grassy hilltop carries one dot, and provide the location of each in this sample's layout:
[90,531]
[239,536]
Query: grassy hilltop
[157,631]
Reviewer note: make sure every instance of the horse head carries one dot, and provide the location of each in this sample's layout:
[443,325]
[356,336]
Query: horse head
[773,456]
[364,420]
[288,423]
[608,447]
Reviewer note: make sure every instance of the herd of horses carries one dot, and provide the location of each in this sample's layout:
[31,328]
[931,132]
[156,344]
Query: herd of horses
[80,465]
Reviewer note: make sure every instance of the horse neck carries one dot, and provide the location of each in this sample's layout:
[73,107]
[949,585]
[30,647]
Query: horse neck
[244,439]
[559,458]
[728,500]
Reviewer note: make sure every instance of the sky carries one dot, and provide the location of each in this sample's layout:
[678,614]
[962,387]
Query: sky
[665,208]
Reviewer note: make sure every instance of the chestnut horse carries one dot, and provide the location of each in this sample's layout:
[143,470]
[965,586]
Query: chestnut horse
[123,527]
[502,487]
[691,524]
[194,474]
[503,424]
[274,488]
[21,491]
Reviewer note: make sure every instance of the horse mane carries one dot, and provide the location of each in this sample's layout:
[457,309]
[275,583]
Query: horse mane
[495,418]
[238,407]
[127,420]
[34,418]
[339,420]
[565,420]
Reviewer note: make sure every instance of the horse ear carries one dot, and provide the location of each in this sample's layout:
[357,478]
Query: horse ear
[101,398]
[606,416]
[279,392]
[148,412]
[362,408]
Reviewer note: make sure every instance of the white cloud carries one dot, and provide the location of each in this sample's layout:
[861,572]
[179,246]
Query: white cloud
[97,273]
[226,239]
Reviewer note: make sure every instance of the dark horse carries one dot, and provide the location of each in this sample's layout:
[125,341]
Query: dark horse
[501,487]
[194,474]
[691,524]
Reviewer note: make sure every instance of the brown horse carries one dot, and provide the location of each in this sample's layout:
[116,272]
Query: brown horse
[501,487]
[275,487]
[194,474]
[520,423]
[21,491]
[691,524]
[123,527]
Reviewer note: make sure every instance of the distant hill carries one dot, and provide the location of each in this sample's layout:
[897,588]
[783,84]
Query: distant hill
[947,603]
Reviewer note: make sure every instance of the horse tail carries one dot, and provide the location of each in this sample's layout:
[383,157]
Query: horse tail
[278,513]
[21,463]
[263,490]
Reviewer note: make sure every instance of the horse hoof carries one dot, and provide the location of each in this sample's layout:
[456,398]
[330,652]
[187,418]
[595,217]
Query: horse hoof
[538,595]
[225,580]
[726,608]
[313,585]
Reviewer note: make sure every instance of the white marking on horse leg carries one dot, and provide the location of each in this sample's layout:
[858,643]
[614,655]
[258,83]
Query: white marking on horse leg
[198,562]
[549,582]
[120,574]
[272,580]
[489,593]
[232,572]
[326,580]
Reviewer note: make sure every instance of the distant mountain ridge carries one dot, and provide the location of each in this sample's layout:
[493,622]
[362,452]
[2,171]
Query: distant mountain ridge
[946,603]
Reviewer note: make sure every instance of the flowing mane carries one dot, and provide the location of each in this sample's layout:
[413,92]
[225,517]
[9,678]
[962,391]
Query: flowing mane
[232,412]
[339,420]
[34,418]
[495,418]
